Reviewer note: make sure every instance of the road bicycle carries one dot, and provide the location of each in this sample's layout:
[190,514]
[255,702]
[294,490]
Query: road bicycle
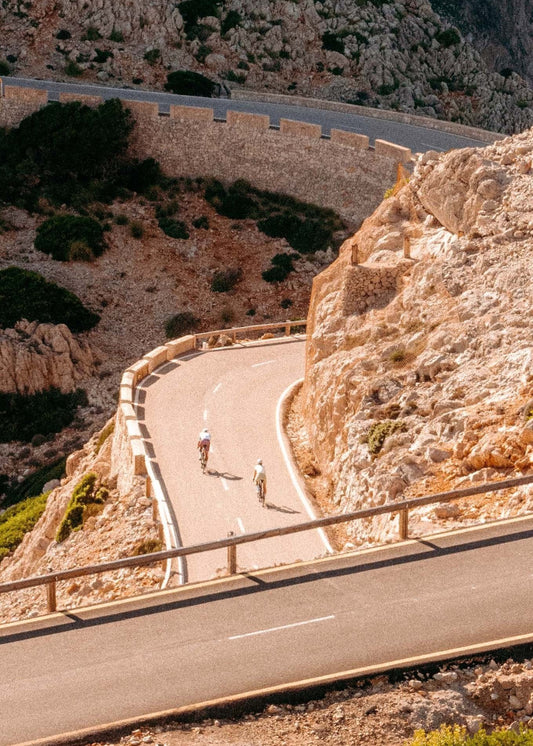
[203,459]
[260,487]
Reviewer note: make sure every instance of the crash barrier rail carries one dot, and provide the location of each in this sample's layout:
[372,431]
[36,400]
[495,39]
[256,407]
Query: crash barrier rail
[402,508]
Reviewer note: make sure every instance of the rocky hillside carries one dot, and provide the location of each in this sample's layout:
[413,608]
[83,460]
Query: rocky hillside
[501,32]
[419,362]
[400,55]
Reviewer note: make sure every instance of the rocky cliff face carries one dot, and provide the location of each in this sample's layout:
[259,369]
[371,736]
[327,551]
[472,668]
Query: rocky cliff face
[399,55]
[35,357]
[502,32]
[419,368]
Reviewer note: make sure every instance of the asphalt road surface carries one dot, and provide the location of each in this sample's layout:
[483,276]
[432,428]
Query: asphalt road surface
[235,392]
[419,139]
[329,618]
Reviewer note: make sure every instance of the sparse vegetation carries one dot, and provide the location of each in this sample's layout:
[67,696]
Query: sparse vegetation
[27,295]
[180,323]
[87,499]
[148,546]
[380,431]
[136,229]
[64,237]
[457,735]
[4,68]
[45,412]
[282,266]
[332,42]
[32,485]
[201,222]
[152,56]
[224,280]
[108,430]
[173,228]
[307,228]
[230,20]
[17,520]
[448,37]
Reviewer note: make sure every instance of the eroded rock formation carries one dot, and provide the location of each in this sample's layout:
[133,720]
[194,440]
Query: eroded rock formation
[35,357]
[419,369]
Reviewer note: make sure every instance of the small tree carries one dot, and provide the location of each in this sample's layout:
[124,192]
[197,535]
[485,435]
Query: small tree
[189,83]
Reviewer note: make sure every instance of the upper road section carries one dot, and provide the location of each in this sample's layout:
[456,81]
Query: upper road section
[419,139]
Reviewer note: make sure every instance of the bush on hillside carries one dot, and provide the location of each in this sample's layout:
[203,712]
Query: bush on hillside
[17,520]
[57,236]
[380,431]
[60,151]
[33,484]
[140,176]
[173,228]
[87,499]
[188,83]
[232,19]
[306,227]
[225,279]
[180,323]
[4,68]
[192,10]
[457,735]
[27,295]
[45,412]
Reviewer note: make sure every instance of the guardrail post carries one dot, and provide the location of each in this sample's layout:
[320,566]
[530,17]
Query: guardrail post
[51,596]
[404,524]
[232,556]
[288,329]
[148,486]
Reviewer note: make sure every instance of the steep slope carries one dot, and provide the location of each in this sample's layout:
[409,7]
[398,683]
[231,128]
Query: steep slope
[419,369]
[400,55]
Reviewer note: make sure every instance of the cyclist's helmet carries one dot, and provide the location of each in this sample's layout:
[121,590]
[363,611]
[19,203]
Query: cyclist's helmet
[259,460]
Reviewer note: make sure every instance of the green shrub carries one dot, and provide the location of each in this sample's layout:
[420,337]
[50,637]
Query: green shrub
[192,10]
[86,500]
[224,280]
[457,735]
[27,295]
[448,37]
[17,520]
[380,431]
[45,412]
[102,55]
[332,42]
[173,228]
[275,274]
[286,303]
[201,222]
[92,34]
[147,546]
[116,35]
[385,89]
[188,83]
[230,20]
[180,323]
[136,229]
[67,153]
[4,68]
[121,219]
[57,235]
[140,176]
[63,34]
[152,55]
[108,430]
[73,69]
[33,484]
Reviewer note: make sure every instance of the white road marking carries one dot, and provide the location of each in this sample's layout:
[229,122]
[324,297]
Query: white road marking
[241,525]
[294,478]
[217,388]
[285,626]
[224,484]
[205,415]
[431,146]
[257,365]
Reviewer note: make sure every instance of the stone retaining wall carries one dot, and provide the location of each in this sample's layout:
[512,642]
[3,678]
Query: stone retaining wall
[342,172]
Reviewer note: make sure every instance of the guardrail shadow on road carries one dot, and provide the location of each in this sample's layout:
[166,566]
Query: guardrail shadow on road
[309,572]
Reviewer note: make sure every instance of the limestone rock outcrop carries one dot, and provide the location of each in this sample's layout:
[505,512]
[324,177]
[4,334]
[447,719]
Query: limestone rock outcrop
[419,366]
[35,357]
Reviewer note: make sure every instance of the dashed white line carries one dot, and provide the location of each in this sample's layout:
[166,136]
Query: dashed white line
[205,415]
[217,388]
[267,362]
[285,626]
[224,484]
[241,525]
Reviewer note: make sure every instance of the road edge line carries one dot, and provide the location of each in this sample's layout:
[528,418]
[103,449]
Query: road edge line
[281,410]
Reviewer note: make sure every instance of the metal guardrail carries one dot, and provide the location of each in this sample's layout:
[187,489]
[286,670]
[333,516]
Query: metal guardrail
[403,507]
[287,326]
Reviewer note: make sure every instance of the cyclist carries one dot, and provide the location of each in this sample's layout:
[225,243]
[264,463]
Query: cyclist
[260,480]
[204,443]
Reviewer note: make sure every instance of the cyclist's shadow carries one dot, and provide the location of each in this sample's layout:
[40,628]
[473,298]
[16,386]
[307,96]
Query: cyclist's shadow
[224,474]
[280,508]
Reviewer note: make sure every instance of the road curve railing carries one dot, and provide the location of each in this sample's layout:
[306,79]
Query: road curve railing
[141,466]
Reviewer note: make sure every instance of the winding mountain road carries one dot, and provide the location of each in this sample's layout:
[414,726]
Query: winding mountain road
[236,393]
[419,139]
